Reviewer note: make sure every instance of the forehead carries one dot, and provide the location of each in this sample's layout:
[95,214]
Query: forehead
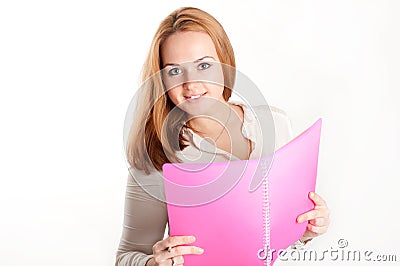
[187,46]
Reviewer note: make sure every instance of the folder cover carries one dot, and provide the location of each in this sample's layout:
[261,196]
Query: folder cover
[237,225]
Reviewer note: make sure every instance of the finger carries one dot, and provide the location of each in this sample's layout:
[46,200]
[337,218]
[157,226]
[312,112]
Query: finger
[316,213]
[317,199]
[173,241]
[317,229]
[184,250]
[179,251]
[319,222]
[307,216]
[179,260]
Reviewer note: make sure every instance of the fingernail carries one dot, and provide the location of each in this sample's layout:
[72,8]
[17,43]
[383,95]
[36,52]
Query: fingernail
[312,194]
[201,250]
[192,238]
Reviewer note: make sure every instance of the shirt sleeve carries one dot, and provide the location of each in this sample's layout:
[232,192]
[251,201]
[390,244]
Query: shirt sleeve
[145,218]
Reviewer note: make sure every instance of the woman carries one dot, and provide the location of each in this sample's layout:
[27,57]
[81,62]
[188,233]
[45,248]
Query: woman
[187,35]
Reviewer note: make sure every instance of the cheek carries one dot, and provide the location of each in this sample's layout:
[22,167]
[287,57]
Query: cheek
[173,94]
[214,90]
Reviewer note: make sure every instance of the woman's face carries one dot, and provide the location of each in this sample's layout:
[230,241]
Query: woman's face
[192,71]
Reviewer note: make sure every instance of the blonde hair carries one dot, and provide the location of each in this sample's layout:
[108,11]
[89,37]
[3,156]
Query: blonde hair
[146,146]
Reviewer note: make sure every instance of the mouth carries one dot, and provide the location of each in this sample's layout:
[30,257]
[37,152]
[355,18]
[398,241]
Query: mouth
[195,97]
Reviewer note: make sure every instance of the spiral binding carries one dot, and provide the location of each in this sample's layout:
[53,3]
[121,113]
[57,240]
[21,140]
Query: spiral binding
[266,212]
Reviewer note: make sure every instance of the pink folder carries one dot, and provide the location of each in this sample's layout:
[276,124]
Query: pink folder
[234,224]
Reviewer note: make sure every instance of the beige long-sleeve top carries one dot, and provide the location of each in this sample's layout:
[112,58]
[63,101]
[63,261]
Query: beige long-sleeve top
[146,217]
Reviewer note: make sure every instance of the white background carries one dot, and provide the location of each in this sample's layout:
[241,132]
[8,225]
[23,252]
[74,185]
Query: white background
[68,70]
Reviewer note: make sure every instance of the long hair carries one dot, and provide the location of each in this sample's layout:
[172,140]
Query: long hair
[146,146]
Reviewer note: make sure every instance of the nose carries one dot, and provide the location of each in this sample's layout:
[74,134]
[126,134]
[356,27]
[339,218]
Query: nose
[190,81]
[189,74]
[191,85]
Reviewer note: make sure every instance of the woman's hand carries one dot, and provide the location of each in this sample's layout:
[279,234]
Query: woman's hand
[169,251]
[318,218]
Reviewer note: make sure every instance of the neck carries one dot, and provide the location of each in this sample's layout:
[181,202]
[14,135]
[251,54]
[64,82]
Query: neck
[211,123]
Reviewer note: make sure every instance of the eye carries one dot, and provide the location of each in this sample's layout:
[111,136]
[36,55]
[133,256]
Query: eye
[204,65]
[174,71]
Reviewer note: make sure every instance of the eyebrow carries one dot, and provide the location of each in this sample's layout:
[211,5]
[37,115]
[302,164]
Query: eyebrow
[207,56]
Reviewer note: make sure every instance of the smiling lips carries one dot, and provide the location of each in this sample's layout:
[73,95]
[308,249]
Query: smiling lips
[195,96]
